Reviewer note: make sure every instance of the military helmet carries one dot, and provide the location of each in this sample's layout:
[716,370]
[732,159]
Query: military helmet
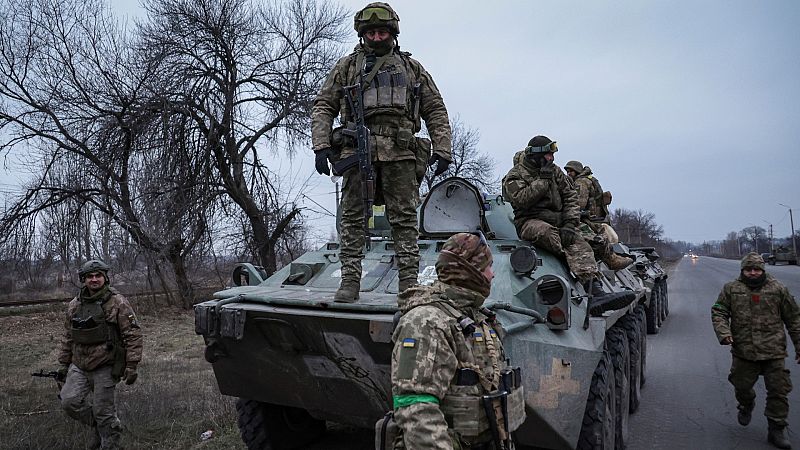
[574,165]
[540,144]
[753,259]
[376,15]
[94,265]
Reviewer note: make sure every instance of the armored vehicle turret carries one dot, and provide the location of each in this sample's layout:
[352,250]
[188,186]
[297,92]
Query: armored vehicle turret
[296,359]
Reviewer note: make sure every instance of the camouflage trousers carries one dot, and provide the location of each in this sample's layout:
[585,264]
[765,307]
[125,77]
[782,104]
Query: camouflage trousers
[579,255]
[88,397]
[397,182]
[595,237]
[744,374]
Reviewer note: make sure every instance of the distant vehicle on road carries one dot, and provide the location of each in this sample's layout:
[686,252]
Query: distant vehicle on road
[782,254]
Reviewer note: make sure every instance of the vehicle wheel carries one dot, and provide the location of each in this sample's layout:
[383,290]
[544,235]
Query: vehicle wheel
[630,325]
[599,420]
[651,314]
[265,426]
[771,262]
[665,297]
[621,359]
[642,321]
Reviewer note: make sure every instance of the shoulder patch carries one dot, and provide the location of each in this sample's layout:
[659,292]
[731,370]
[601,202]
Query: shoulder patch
[409,342]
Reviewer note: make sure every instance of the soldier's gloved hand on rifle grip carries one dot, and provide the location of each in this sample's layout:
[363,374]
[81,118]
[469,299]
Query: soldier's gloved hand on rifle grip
[442,165]
[130,375]
[321,158]
[62,372]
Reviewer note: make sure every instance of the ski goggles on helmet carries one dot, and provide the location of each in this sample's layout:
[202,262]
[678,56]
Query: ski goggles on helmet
[368,14]
[549,148]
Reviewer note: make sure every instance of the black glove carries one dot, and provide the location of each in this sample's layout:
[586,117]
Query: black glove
[321,158]
[130,375]
[441,167]
[62,373]
[568,233]
[548,170]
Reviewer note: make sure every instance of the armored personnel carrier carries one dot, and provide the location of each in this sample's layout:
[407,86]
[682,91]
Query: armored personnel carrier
[296,359]
[782,255]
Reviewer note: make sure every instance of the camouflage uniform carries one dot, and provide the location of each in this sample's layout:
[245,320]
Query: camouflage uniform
[392,113]
[542,204]
[430,346]
[88,393]
[754,317]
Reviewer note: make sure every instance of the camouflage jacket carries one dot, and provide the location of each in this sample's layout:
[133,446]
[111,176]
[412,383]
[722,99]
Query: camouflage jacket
[588,196]
[384,123]
[429,347]
[552,199]
[118,314]
[755,319]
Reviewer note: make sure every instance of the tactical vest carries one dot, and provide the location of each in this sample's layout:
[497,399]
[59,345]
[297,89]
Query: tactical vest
[597,205]
[88,324]
[498,408]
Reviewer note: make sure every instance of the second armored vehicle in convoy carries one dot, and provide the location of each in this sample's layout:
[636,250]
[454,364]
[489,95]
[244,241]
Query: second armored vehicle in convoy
[782,255]
[296,359]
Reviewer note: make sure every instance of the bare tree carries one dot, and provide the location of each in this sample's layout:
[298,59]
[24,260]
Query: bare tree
[246,75]
[79,97]
[468,162]
[637,226]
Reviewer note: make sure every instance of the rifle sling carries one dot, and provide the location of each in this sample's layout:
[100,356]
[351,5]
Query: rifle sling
[378,64]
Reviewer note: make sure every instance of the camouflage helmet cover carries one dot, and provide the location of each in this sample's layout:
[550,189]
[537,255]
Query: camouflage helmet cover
[753,259]
[574,165]
[371,16]
[94,265]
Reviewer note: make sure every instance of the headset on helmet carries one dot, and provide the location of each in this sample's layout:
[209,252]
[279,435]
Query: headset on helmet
[375,15]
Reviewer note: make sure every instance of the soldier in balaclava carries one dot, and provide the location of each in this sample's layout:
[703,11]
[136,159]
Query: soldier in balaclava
[448,355]
[398,93]
[101,345]
[750,315]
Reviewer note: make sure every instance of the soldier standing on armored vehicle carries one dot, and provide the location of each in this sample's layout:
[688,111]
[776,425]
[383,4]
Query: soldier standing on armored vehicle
[546,212]
[749,315]
[447,354]
[397,93]
[102,344]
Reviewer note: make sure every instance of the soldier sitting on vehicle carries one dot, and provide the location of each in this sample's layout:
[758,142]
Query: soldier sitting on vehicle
[546,212]
[593,203]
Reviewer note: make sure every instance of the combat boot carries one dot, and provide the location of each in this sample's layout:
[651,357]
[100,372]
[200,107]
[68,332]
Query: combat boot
[347,292]
[617,262]
[602,301]
[744,416]
[777,437]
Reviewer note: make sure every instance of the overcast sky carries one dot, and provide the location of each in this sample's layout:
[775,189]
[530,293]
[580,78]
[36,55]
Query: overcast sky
[686,109]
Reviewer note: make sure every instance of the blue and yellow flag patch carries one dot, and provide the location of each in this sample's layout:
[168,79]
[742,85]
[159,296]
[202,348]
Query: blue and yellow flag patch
[478,336]
[409,343]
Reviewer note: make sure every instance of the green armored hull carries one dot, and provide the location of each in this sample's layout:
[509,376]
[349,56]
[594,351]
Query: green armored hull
[296,359]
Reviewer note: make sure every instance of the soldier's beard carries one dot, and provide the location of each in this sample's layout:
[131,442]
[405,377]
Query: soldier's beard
[754,282]
[380,48]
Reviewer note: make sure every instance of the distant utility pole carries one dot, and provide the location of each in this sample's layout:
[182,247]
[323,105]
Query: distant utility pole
[771,246]
[791,221]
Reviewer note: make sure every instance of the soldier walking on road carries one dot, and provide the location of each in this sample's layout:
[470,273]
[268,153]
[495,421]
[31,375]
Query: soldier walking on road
[102,344]
[546,212]
[750,315]
[448,358]
[397,94]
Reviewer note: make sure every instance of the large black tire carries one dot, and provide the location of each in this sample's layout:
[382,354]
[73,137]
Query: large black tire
[265,426]
[665,296]
[619,350]
[642,321]
[662,300]
[630,325]
[599,420]
[652,314]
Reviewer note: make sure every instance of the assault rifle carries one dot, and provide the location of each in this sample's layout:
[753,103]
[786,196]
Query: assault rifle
[355,102]
[51,374]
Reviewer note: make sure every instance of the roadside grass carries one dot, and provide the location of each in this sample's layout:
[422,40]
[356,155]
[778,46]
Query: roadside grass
[174,400]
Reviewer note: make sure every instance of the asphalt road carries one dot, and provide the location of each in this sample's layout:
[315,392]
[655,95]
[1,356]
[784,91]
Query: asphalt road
[687,402]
